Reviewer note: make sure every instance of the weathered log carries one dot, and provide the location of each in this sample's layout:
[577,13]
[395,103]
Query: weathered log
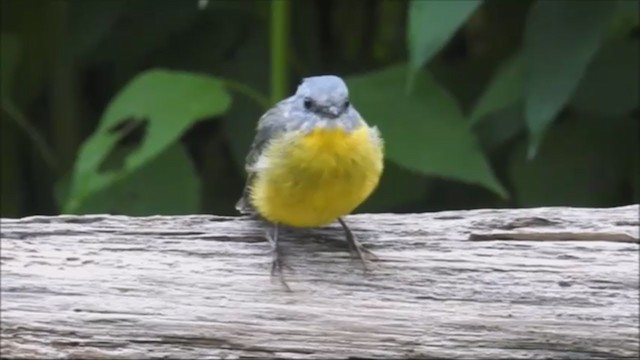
[448,284]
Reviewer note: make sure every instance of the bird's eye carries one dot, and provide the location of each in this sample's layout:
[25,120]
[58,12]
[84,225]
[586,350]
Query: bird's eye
[346,104]
[308,103]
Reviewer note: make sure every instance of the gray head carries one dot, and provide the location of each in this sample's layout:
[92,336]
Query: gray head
[325,96]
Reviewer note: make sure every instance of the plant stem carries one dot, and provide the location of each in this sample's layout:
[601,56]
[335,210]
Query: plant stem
[37,139]
[279,41]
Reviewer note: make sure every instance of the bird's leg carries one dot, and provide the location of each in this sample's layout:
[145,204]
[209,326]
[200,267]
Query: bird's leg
[355,246]
[276,259]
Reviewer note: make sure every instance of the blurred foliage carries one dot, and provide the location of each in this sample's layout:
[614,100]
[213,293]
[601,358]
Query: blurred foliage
[146,107]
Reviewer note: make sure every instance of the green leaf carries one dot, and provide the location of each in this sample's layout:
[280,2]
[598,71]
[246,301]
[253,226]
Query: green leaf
[169,101]
[424,131]
[583,162]
[501,126]
[432,24]
[167,185]
[560,39]
[610,85]
[504,89]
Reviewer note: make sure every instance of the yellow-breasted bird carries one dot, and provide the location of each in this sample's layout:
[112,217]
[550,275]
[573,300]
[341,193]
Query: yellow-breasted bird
[313,161]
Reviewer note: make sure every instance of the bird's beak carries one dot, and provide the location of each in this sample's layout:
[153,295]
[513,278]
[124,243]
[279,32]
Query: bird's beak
[334,111]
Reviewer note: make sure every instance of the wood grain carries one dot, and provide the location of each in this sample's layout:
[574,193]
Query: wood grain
[514,283]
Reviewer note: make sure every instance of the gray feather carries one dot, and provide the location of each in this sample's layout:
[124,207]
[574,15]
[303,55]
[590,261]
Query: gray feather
[270,125]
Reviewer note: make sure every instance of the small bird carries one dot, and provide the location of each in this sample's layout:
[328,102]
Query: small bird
[313,161]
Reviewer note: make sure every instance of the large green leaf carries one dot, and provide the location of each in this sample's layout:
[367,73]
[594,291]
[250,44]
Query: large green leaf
[583,162]
[170,102]
[432,24]
[497,114]
[560,39]
[504,89]
[424,131]
[500,126]
[166,185]
[610,86]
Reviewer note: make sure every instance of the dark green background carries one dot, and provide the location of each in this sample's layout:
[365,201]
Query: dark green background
[148,106]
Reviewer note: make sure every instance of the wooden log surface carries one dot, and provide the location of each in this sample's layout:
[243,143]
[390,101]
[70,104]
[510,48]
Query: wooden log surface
[525,283]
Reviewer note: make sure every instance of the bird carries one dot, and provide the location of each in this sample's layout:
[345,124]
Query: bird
[313,161]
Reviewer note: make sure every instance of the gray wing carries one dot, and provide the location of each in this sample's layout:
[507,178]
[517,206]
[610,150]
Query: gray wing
[272,123]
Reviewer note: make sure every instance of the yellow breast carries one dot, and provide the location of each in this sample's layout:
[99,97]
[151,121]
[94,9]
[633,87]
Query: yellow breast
[314,179]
